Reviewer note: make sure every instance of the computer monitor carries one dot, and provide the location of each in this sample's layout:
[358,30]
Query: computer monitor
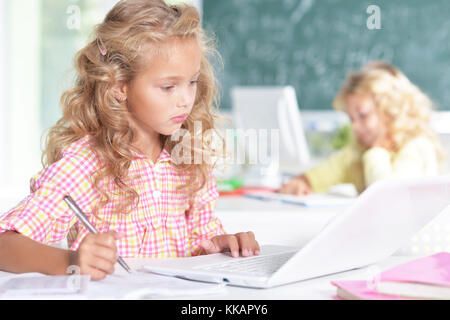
[273,108]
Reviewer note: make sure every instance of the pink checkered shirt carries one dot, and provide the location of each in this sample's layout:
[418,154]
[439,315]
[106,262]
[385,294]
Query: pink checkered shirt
[166,222]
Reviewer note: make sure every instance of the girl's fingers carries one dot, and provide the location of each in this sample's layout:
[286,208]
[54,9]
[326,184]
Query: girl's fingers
[98,254]
[96,274]
[109,254]
[249,246]
[96,267]
[107,239]
[287,188]
[300,192]
[227,242]
[101,264]
[245,243]
[256,248]
[209,247]
[302,189]
[293,188]
[233,245]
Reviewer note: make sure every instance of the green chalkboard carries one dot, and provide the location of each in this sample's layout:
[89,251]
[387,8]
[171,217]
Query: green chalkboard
[312,44]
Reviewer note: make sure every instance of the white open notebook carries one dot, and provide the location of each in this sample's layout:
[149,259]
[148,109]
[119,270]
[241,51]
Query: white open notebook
[136,285]
[34,284]
[312,201]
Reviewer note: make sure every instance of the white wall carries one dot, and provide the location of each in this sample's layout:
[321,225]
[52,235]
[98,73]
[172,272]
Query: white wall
[24,90]
[20,90]
[4,88]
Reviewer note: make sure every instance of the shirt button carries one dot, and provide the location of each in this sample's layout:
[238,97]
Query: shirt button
[157,194]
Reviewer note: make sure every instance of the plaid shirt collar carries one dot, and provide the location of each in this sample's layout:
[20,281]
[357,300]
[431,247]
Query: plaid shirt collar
[163,157]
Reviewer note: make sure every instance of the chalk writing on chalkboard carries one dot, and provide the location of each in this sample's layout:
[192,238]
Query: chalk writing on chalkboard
[312,44]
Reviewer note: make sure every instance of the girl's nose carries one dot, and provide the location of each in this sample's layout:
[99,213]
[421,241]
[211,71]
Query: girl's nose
[184,99]
[356,128]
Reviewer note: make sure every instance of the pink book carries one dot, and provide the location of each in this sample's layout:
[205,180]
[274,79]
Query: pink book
[427,277]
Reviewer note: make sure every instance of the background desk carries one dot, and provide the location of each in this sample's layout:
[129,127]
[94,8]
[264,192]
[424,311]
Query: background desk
[293,225]
[286,224]
[273,222]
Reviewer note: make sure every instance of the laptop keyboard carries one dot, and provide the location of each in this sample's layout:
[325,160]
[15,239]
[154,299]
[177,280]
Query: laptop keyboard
[259,266]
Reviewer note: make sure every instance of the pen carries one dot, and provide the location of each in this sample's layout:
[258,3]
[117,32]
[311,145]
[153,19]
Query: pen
[257,197]
[263,198]
[72,205]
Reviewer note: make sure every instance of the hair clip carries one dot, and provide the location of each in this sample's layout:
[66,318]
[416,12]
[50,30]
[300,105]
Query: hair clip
[101,46]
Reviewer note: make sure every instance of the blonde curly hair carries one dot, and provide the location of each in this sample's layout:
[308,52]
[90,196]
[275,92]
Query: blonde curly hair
[406,109]
[116,55]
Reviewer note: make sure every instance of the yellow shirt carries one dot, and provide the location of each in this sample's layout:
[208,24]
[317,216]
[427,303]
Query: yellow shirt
[362,167]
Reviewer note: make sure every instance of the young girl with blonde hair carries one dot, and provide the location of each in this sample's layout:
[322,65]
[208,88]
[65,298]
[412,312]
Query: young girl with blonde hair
[392,136]
[144,77]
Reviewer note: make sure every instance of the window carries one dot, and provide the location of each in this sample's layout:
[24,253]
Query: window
[66,26]
[40,38]
[3,90]
[38,41]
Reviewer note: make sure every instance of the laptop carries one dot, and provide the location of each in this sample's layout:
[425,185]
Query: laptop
[274,141]
[382,219]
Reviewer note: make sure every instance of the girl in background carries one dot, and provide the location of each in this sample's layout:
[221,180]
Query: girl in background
[392,137]
[144,77]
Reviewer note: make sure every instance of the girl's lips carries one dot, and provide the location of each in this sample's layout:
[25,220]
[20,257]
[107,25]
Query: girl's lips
[180,119]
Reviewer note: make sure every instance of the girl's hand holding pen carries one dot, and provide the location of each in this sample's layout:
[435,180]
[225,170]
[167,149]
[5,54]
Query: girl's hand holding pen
[98,254]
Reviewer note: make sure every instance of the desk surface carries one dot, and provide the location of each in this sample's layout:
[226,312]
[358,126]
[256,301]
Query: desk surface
[315,289]
[274,223]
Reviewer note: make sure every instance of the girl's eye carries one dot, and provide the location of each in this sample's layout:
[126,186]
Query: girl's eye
[167,88]
[194,82]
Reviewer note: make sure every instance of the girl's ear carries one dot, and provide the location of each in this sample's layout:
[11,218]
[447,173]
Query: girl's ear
[120,92]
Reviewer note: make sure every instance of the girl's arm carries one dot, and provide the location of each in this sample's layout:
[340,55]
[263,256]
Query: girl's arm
[416,158]
[19,254]
[43,217]
[341,167]
[96,255]
[298,186]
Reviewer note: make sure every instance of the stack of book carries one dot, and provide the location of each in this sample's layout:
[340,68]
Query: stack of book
[424,278]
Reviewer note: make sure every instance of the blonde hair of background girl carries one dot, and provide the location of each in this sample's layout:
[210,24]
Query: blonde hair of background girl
[405,108]
[117,54]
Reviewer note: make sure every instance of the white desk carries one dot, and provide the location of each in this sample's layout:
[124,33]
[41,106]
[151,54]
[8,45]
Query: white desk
[272,223]
[315,289]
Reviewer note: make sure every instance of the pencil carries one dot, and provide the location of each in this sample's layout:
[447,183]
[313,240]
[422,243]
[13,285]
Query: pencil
[80,215]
